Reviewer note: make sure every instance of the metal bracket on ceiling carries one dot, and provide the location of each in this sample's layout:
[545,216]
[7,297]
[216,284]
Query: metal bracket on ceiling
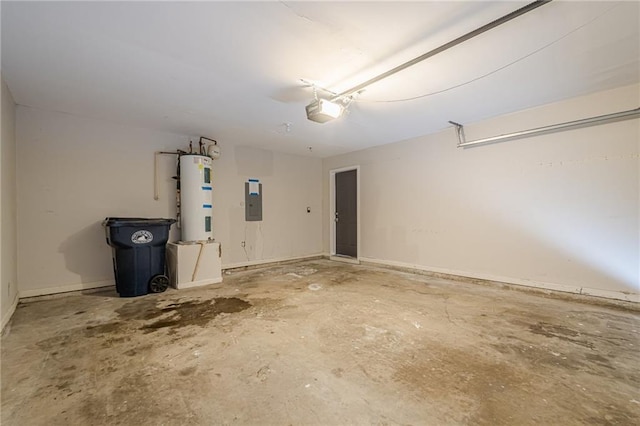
[459,131]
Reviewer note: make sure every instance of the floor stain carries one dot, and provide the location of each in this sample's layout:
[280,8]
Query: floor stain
[479,356]
[187,371]
[139,349]
[464,379]
[198,313]
[536,356]
[560,332]
[106,328]
[599,360]
[338,372]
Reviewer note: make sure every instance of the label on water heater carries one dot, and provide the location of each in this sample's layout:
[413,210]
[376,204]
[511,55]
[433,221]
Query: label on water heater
[142,237]
[198,159]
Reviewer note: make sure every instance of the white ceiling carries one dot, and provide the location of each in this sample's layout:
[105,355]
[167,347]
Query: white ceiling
[231,70]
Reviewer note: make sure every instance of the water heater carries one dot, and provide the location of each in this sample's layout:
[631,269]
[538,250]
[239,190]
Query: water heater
[196,197]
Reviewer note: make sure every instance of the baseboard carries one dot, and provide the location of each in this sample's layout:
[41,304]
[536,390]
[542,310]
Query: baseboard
[444,273]
[453,274]
[199,283]
[66,288]
[7,316]
[608,294]
[110,283]
[265,262]
[345,259]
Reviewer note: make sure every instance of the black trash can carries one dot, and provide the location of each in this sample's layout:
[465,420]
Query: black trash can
[138,251]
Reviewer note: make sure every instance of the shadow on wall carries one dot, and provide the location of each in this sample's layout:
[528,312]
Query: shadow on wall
[254,162]
[87,254]
[534,239]
[557,238]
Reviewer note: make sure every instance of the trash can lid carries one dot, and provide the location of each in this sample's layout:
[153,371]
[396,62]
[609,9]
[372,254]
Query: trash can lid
[136,221]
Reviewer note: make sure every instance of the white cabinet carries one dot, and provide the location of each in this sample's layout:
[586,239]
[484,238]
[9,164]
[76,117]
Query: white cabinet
[192,265]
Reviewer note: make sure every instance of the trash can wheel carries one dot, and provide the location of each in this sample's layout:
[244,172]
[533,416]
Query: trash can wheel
[158,283]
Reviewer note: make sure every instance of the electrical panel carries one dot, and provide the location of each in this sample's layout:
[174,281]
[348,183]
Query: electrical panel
[253,201]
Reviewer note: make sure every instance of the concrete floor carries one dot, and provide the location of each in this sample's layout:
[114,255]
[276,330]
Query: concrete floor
[320,342]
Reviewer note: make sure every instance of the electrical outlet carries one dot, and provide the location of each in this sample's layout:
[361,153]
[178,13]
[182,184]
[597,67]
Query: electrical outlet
[242,244]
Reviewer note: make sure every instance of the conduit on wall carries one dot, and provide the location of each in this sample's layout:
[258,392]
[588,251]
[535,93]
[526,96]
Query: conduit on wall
[585,122]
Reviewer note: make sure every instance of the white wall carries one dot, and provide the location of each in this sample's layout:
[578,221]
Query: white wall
[73,172]
[8,246]
[290,184]
[558,211]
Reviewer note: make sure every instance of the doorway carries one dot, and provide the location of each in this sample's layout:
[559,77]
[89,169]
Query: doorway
[345,214]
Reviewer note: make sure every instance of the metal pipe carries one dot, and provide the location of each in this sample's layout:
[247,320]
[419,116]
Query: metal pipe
[585,122]
[506,18]
[209,139]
